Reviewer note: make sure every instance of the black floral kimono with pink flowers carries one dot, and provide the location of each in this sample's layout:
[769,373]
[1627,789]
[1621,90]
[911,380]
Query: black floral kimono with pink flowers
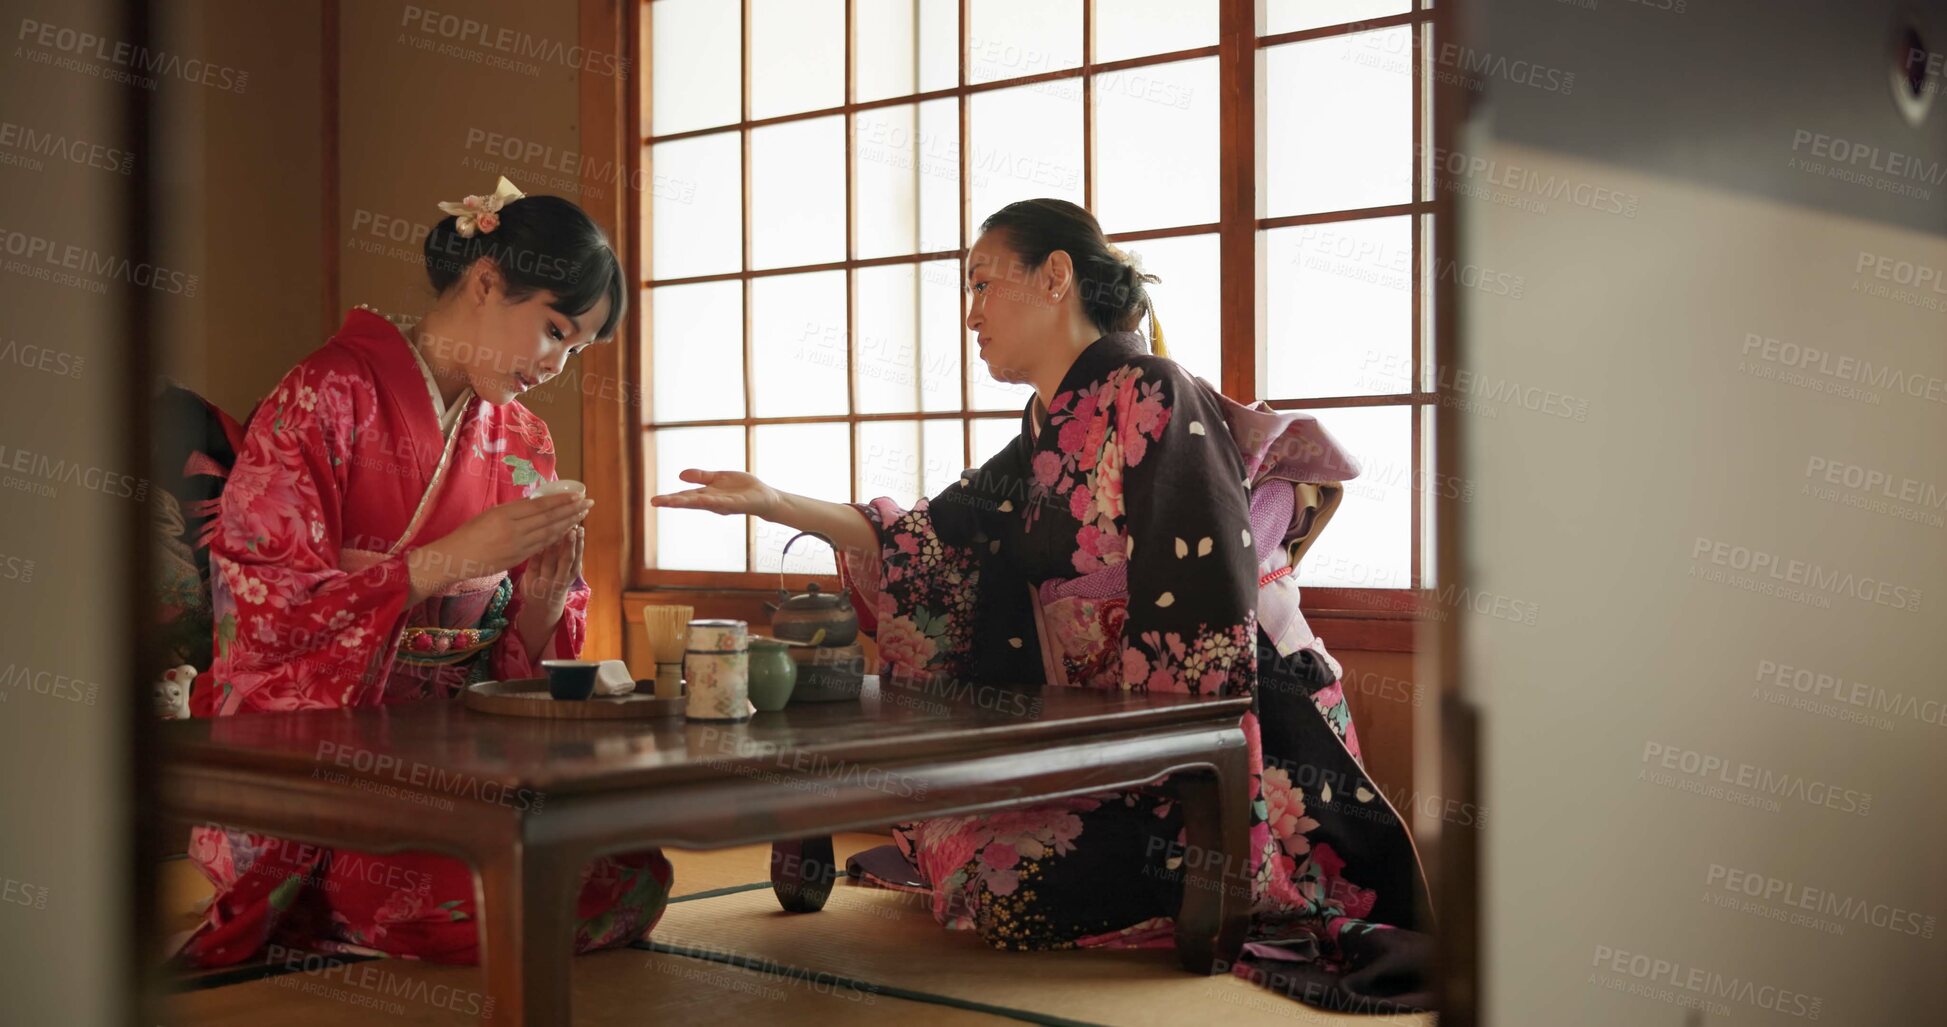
[1111,547]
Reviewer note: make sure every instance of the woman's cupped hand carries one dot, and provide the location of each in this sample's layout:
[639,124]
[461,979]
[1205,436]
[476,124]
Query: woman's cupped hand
[724,492]
[495,540]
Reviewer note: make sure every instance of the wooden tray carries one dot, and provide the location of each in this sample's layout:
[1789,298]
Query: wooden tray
[528,697]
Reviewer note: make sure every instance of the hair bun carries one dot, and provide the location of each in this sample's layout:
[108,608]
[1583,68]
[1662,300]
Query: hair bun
[1114,292]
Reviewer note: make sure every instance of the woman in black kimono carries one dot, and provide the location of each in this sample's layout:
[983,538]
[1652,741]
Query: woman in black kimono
[1125,539]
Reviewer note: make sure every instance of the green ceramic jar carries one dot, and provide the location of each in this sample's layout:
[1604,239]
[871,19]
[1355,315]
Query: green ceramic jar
[773,673]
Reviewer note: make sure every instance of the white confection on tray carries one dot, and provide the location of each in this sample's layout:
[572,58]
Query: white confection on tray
[613,678]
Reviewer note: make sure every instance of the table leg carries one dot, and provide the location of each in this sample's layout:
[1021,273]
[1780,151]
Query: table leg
[802,873]
[1216,911]
[526,903]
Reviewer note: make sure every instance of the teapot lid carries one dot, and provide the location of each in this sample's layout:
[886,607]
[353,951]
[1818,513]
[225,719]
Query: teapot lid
[814,598]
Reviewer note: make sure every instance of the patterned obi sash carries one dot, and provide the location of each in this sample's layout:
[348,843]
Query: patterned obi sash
[437,646]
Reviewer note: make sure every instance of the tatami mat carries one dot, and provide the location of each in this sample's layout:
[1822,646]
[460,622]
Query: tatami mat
[611,989]
[725,953]
[888,938]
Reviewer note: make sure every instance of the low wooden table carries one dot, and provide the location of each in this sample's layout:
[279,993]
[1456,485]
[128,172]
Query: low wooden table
[528,802]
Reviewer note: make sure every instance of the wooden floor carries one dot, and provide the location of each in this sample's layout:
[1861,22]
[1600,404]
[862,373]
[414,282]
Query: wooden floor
[871,953]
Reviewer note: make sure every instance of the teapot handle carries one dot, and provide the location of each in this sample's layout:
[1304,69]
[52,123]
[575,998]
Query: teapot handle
[785,593]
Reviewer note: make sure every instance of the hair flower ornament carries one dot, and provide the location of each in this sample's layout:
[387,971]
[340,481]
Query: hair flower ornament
[481,213]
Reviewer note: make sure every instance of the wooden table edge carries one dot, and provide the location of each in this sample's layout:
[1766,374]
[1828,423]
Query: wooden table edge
[290,762]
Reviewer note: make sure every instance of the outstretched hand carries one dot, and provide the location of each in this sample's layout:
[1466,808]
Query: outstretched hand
[723,492]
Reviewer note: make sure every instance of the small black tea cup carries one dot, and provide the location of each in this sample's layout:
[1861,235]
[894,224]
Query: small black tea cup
[570,679]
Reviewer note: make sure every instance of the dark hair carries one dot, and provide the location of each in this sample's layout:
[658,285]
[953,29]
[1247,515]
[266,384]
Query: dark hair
[1111,287]
[541,242]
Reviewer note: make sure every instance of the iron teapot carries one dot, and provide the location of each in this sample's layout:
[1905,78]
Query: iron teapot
[814,616]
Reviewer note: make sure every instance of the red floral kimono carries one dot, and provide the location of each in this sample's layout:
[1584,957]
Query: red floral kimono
[346,467]
[1126,543]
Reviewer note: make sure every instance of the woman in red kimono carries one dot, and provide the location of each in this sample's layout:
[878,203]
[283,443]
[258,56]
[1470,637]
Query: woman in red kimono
[1129,537]
[376,543]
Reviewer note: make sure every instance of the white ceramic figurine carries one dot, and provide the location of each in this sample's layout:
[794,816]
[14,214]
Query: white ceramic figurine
[172,693]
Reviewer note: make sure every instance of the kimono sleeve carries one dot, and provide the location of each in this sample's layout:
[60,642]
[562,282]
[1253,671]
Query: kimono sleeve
[294,628]
[510,657]
[938,582]
[1192,619]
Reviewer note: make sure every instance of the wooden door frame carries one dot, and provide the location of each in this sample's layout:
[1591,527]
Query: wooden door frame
[611,115]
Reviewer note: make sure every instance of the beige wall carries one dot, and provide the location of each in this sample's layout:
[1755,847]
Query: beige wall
[242,180]
[265,178]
